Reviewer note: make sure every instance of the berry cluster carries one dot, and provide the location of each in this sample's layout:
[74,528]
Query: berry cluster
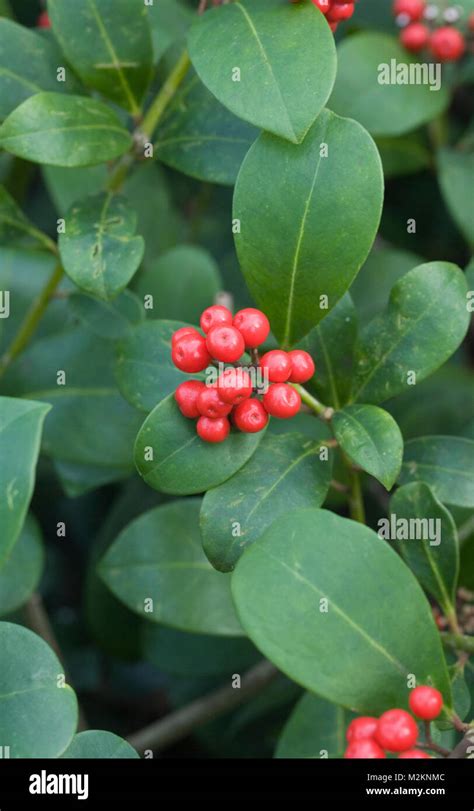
[225,340]
[395,730]
[335,11]
[427,27]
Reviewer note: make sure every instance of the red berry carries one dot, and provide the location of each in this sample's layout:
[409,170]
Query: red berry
[190,353]
[425,702]
[43,20]
[414,754]
[210,404]
[396,731]
[365,748]
[415,37]
[282,401]
[333,27]
[180,333]
[447,44]
[361,728]
[323,5]
[250,416]
[276,365]
[234,385]
[186,396]
[214,317]
[253,325]
[302,366]
[225,344]
[340,11]
[213,430]
[414,9]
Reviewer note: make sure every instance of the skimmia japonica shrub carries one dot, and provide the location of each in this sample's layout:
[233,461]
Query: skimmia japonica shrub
[236,387]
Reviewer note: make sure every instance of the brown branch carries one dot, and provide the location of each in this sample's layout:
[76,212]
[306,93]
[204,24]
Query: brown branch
[464,749]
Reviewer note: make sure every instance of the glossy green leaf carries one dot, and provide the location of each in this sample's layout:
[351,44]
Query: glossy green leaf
[77,479]
[22,77]
[278,49]
[372,439]
[456,178]
[38,716]
[21,422]
[159,557]
[315,729]
[284,470]
[367,89]
[183,282]
[372,285]
[111,320]
[22,569]
[434,557]
[144,370]
[116,55]
[64,131]
[14,226]
[99,249]
[445,463]
[353,641]
[425,321]
[169,20]
[181,463]
[403,156]
[318,229]
[99,745]
[200,137]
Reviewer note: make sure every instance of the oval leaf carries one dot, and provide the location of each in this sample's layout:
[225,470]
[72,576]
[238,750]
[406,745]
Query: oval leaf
[258,36]
[21,571]
[456,178]
[111,320]
[159,557]
[311,241]
[98,745]
[315,729]
[445,463]
[99,249]
[372,439]
[64,131]
[182,463]
[376,627]
[284,470]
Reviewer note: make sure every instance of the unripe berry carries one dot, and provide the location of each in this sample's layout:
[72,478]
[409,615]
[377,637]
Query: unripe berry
[180,333]
[302,366]
[282,401]
[323,5]
[362,749]
[276,365]
[213,430]
[234,385]
[414,9]
[250,416]
[225,344]
[414,754]
[447,44]
[186,396]
[339,12]
[361,728]
[253,325]
[415,37]
[396,731]
[214,317]
[209,404]
[425,702]
[190,353]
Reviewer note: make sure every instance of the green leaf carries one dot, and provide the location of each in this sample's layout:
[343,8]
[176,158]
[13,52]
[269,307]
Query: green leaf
[279,49]
[14,226]
[99,745]
[284,470]
[300,254]
[445,463]
[77,479]
[159,557]
[99,249]
[116,56]
[315,729]
[183,282]
[425,321]
[182,463]
[21,571]
[332,344]
[372,439]
[64,131]
[456,178]
[144,371]
[371,288]
[21,422]
[376,627]
[111,320]
[169,20]
[38,717]
[361,91]
[22,77]
[200,137]
[403,156]
[434,559]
